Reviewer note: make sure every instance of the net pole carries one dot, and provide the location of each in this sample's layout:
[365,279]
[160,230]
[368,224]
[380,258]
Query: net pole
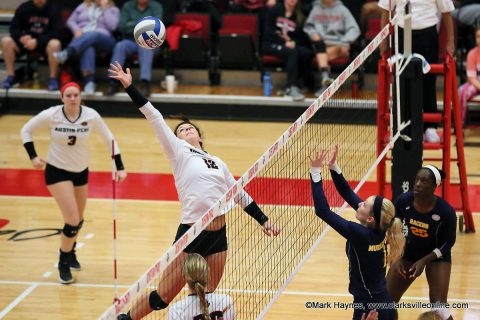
[114,218]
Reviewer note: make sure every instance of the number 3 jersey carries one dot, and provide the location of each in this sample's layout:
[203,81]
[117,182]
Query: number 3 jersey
[426,232]
[68,148]
[200,178]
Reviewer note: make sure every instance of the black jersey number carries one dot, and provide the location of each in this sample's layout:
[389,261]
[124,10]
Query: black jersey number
[210,164]
[72,140]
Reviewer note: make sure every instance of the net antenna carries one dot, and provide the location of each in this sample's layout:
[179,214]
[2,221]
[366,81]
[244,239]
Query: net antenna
[402,60]
[114,219]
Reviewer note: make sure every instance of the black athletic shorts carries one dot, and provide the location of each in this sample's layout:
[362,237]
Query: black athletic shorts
[54,175]
[207,242]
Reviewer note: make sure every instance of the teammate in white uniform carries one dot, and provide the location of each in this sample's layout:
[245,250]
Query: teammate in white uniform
[201,179]
[66,168]
[199,304]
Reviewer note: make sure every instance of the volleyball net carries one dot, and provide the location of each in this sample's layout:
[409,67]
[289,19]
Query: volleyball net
[259,267]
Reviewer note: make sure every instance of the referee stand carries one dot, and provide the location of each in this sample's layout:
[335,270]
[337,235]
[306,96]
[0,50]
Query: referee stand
[450,103]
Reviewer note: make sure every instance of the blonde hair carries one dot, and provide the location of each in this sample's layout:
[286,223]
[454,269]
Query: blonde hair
[429,315]
[195,271]
[393,226]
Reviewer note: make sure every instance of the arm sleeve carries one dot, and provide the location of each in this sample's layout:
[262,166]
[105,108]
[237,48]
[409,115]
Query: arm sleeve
[72,20]
[309,27]
[16,29]
[41,120]
[344,190]
[170,143]
[54,30]
[348,230]
[352,31]
[448,233]
[445,6]
[108,137]
[111,16]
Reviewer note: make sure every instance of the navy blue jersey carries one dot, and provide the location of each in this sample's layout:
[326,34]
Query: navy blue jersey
[366,247]
[426,231]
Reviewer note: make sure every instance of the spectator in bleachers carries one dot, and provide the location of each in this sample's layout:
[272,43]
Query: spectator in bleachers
[425,41]
[35,27]
[92,24]
[285,39]
[468,13]
[258,7]
[472,87]
[131,12]
[370,9]
[332,29]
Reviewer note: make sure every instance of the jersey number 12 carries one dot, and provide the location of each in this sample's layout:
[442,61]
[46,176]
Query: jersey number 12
[210,164]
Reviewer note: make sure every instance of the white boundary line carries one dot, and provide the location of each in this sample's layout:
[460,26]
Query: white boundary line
[19,299]
[287,293]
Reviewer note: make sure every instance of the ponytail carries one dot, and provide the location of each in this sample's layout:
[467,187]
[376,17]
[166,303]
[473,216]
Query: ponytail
[195,271]
[394,229]
[200,291]
[396,240]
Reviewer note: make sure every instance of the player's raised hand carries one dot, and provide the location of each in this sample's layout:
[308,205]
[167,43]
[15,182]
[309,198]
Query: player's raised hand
[116,72]
[319,161]
[332,163]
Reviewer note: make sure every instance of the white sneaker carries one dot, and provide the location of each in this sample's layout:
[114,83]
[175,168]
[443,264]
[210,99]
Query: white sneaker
[431,136]
[89,88]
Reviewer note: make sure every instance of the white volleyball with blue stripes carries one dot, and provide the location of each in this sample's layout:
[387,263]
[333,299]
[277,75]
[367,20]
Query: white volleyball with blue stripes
[149,33]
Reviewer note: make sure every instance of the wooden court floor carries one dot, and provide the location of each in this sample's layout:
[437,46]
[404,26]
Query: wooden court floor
[28,277]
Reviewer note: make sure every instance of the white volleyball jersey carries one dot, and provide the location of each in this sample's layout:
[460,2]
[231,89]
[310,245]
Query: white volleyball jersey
[220,307]
[424,12]
[200,178]
[68,149]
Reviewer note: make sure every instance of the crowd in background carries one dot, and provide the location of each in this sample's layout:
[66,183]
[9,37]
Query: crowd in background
[302,33]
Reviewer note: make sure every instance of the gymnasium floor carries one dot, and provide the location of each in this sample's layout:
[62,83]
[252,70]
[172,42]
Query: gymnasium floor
[146,227]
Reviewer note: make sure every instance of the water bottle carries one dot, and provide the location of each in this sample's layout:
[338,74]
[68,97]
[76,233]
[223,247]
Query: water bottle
[267,84]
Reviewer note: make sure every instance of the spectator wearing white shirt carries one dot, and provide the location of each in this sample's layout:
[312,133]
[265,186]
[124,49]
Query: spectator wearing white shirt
[425,19]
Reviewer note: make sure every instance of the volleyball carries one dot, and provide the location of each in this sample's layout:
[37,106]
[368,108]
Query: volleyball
[149,33]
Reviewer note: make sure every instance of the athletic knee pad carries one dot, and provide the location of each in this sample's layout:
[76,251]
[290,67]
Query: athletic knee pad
[319,46]
[80,225]
[156,303]
[70,231]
